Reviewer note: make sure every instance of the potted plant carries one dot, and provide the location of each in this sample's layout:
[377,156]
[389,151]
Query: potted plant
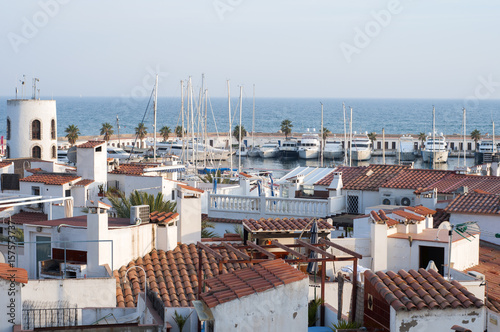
[180,320]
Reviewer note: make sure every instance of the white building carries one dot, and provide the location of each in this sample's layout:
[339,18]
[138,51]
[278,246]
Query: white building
[31,129]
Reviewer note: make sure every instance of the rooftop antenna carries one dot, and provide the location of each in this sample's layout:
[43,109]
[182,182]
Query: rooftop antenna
[34,87]
[118,128]
[22,86]
[16,92]
[38,94]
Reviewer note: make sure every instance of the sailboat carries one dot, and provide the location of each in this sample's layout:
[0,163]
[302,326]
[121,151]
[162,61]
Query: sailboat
[253,151]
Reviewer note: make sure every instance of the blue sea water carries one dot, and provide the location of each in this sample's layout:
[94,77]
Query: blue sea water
[397,116]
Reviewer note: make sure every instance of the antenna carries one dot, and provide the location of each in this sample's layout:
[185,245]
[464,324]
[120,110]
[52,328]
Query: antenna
[34,87]
[22,86]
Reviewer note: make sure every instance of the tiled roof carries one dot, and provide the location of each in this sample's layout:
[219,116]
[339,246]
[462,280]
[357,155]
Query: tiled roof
[284,225]
[369,178]
[13,273]
[382,218]
[205,217]
[130,169]
[420,209]
[186,187]
[454,182]
[251,280]
[90,144]
[408,215]
[50,179]
[84,182]
[172,274]
[228,237]
[414,290]
[33,170]
[162,217]
[5,164]
[489,265]
[28,217]
[440,216]
[475,203]
[416,178]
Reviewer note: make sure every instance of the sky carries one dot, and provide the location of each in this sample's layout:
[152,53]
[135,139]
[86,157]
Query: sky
[309,49]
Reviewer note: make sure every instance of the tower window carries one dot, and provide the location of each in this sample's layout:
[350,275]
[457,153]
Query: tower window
[54,152]
[8,129]
[7,152]
[36,152]
[53,129]
[35,130]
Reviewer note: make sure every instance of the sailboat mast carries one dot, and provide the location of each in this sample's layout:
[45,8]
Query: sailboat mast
[322,141]
[433,136]
[239,135]
[253,118]
[465,136]
[230,131]
[206,128]
[154,112]
[494,147]
[345,135]
[191,92]
[350,140]
[182,119]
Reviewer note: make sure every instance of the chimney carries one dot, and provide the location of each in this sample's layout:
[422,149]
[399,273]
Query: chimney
[98,253]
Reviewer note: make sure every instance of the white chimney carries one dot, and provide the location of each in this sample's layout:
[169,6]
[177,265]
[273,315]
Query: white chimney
[98,253]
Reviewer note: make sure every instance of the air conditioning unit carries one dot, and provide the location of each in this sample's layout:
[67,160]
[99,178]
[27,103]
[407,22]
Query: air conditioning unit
[139,213]
[406,201]
[387,200]
[476,275]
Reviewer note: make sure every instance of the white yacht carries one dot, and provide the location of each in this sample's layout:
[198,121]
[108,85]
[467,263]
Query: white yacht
[62,156]
[406,148]
[242,152]
[254,151]
[269,150]
[361,148]
[309,146]
[435,149]
[289,149]
[119,153]
[486,146]
[333,150]
[199,151]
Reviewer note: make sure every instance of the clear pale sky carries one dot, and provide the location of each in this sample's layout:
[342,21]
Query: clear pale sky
[425,49]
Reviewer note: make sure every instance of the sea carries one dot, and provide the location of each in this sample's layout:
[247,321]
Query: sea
[396,116]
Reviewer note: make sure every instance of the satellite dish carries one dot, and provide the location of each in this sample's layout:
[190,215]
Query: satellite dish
[72,155]
[445,225]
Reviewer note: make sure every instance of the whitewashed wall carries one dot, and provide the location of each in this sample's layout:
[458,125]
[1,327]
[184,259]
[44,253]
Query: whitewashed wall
[488,224]
[10,305]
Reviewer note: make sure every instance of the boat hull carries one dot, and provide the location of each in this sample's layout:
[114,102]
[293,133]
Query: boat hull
[269,154]
[253,153]
[407,156]
[439,156]
[289,153]
[308,154]
[333,154]
[361,155]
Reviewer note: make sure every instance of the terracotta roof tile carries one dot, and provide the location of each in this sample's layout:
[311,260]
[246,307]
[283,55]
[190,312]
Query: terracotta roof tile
[28,217]
[205,217]
[34,170]
[408,215]
[90,144]
[5,163]
[251,280]
[284,225]
[416,290]
[178,273]
[132,169]
[51,179]
[475,203]
[489,265]
[416,178]
[186,187]
[452,183]
[13,273]
[84,182]
[420,209]
[162,217]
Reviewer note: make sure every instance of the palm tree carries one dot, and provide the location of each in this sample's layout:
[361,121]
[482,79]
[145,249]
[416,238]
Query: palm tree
[236,132]
[165,132]
[122,204]
[107,131]
[286,127]
[325,134]
[178,131]
[72,132]
[205,232]
[373,137]
[476,136]
[141,131]
[422,138]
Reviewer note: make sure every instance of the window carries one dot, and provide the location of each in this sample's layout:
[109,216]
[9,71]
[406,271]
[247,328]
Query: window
[36,152]
[7,152]
[67,193]
[54,152]
[8,129]
[394,145]
[173,195]
[53,129]
[35,191]
[36,130]
[10,181]
[98,149]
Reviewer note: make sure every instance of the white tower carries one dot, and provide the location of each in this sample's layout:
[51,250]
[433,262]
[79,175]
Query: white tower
[31,129]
